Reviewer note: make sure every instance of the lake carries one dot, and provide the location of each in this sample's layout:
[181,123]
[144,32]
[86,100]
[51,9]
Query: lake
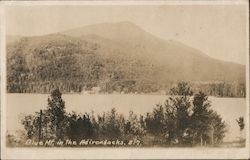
[19,104]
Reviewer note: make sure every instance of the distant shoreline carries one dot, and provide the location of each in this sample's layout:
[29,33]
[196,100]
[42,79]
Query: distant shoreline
[108,94]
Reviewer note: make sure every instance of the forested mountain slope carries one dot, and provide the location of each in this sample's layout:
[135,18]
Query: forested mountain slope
[117,57]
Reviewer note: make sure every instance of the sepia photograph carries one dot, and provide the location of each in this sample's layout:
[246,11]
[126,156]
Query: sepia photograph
[116,75]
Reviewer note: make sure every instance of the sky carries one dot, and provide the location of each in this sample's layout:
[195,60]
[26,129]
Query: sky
[217,30]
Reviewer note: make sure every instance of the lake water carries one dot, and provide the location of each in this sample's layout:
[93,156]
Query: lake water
[18,104]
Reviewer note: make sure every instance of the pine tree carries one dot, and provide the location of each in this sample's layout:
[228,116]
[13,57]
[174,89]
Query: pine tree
[56,115]
[179,100]
[207,126]
[200,122]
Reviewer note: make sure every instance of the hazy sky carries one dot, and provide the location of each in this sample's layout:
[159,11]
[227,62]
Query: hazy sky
[218,31]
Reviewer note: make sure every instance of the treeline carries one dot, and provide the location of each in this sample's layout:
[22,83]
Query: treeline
[69,78]
[123,86]
[185,119]
[222,89]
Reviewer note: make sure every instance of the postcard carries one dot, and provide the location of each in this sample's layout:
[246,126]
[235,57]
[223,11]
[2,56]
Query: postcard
[124,79]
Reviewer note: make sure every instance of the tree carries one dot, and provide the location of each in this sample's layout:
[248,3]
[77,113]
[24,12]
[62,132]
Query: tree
[218,127]
[179,103]
[170,127]
[200,120]
[30,125]
[133,127]
[206,125]
[241,123]
[110,125]
[51,123]
[80,126]
[155,121]
[56,115]
[191,121]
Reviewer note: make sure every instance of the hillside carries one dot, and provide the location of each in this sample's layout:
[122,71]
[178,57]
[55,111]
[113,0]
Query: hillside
[113,56]
[178,58]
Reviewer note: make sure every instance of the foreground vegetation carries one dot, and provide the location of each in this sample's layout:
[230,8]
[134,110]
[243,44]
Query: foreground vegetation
[185,119]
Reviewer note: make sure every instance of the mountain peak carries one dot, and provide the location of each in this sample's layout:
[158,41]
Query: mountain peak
[114,24]
[118,31]
[125,23]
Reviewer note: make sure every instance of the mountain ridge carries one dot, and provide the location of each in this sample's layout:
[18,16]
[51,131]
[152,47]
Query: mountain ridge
[116,54]
[126,23]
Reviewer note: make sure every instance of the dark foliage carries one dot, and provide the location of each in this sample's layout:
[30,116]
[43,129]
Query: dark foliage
[183,119]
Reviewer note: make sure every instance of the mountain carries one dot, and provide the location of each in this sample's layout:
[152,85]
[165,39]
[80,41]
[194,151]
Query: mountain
[113,56]
[187,62]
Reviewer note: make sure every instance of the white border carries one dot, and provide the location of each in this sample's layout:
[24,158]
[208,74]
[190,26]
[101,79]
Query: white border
[247,83]
[3,68]
[117,153]
[127,2]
